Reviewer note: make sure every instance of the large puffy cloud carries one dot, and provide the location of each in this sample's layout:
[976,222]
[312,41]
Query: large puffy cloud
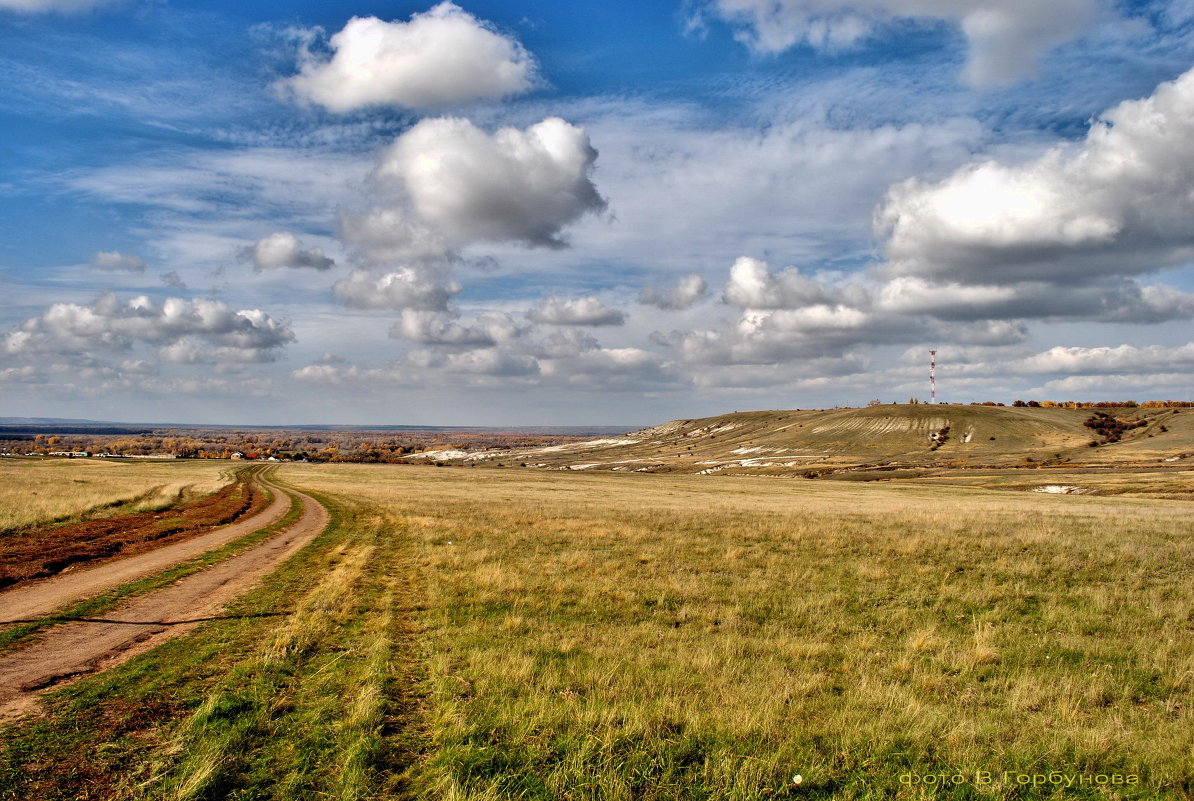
[442,56]
[283,249]
[513,185]
[1118,204]
[117,262]
[575,311]
[685,292]
[182,328]
[404,288]
[1006,37]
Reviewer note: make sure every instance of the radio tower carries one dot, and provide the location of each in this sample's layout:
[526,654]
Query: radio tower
[932,376]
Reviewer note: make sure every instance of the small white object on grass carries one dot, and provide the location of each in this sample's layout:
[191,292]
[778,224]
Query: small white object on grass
[797,779]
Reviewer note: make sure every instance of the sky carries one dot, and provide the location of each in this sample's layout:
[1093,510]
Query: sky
[589,213]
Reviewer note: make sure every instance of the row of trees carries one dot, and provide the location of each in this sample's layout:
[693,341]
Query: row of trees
[1069,404]
[323,446]
[1128,404]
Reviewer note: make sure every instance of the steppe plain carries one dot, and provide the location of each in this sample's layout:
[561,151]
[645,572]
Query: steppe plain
[707,609]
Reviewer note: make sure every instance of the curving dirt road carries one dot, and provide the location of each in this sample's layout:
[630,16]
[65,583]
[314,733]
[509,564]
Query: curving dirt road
[83,647]
[41,597]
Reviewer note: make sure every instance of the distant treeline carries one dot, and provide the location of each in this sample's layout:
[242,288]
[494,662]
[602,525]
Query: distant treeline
[304,445]
[27,430]
[1128,404]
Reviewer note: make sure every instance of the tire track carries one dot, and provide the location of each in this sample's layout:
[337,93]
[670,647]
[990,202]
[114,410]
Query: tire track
[41,597]
[85,647]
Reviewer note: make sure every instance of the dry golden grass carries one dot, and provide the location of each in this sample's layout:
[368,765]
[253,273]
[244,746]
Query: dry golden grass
[616,637]
[484,634]
[34,491]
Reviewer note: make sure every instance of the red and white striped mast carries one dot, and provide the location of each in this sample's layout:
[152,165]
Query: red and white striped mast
[932,376]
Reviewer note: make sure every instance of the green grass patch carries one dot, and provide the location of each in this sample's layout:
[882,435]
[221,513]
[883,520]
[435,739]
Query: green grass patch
[294,694]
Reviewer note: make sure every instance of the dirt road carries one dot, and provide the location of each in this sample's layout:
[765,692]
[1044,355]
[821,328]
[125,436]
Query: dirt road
[83,647]
[39,598]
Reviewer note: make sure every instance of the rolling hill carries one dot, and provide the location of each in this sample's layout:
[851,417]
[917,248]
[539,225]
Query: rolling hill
[878,437]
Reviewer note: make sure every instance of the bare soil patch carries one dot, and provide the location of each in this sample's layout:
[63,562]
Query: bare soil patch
[89,646]
[50,550]
[33,599]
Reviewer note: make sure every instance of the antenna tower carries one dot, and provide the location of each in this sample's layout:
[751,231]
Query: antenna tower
[932,376]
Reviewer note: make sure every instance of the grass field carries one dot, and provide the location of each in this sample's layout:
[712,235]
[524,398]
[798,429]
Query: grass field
[485,634]
[36,491]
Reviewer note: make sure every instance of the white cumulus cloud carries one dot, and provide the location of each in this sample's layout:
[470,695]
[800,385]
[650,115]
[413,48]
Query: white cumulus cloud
[181,328]
[404,288]
[575,311]
[440,57]
[283,249]
[443,328]
[1120,203]
[466,185]
[752,285]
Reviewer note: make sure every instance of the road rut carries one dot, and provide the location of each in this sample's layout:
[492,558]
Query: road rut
[39,598]
[88,646]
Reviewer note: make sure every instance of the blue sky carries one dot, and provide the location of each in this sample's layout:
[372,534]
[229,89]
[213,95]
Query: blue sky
[589,212]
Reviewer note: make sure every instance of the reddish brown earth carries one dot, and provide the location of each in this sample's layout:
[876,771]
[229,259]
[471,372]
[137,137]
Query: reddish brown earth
[49,550]
[83,647]
[39,597]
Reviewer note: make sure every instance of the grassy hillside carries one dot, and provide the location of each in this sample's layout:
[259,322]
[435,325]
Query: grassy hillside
[784,442]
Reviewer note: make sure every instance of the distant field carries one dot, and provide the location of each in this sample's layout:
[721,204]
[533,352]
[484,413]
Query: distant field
[501,634]
[34,491]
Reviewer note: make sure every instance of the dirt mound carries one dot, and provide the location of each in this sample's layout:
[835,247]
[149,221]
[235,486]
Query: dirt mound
[47,551]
